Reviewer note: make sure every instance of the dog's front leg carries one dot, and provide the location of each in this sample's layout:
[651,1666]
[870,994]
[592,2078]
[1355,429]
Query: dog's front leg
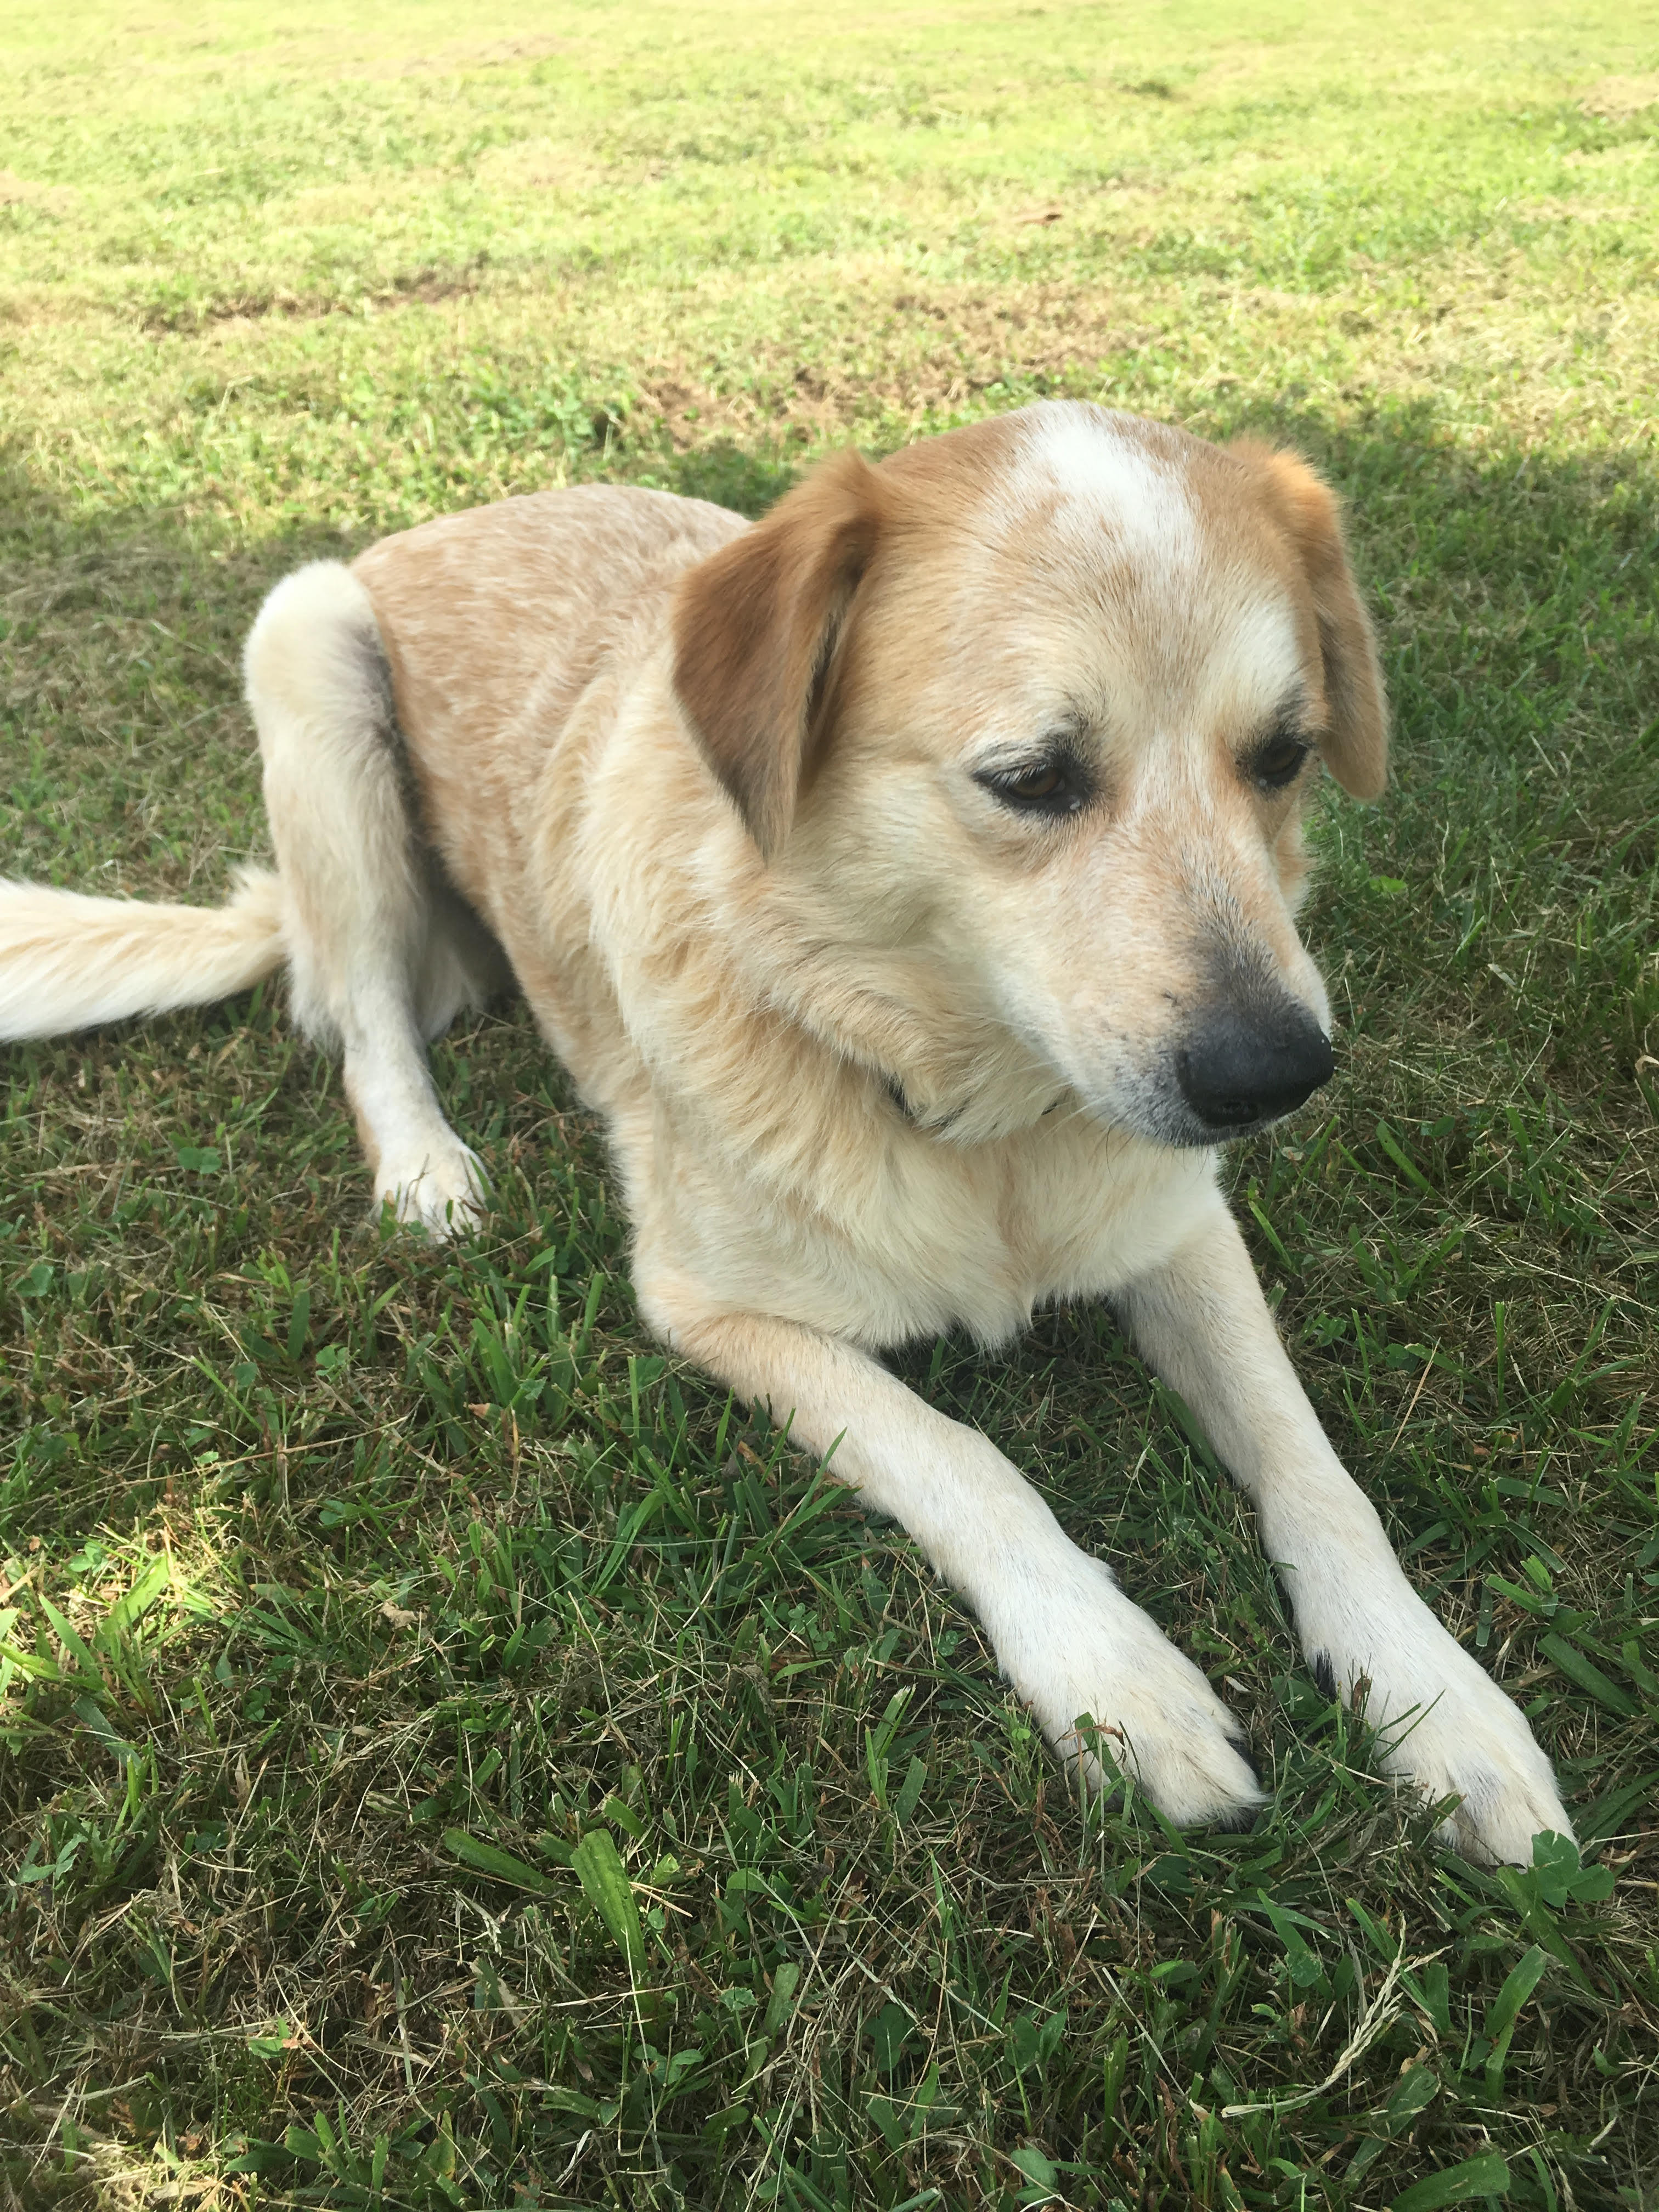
[1068,1639]
[1202,1323]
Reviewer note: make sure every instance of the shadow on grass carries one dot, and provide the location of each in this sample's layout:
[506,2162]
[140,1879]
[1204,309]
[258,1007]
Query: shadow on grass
[419,1619]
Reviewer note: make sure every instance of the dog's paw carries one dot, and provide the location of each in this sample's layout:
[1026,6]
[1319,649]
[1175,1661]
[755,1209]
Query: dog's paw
[1093,1655]
[1467,1738]
[441,1190]
[1444,1727]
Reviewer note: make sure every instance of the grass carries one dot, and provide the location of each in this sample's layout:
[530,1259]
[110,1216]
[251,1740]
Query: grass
[449,1756]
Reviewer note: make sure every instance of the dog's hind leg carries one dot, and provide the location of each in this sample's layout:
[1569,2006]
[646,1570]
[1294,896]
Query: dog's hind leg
[382,954]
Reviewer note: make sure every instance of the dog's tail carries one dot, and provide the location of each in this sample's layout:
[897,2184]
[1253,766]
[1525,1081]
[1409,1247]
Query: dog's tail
[69,961]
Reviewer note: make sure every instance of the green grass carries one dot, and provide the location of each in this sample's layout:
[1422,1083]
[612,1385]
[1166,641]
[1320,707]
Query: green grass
[353,1593]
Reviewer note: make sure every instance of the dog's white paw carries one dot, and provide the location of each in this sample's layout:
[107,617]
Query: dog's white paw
[441,1189]
[1085,1650]
[1445,1727]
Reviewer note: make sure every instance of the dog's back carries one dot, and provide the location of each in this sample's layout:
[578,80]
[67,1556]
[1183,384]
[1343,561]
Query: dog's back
[485,626]
[495,624]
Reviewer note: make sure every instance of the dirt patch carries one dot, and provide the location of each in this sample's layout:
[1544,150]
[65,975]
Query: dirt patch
[919,353]
[427,286]
[1557,210]
[19,192]
[1616,98]
[459,58]
[539,165]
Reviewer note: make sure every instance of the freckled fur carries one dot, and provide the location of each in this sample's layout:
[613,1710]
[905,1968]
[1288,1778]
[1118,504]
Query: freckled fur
[712,794]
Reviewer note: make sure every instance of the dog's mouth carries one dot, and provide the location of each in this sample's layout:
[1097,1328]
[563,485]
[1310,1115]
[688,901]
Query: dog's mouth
[1183,1130]
[1236,1066]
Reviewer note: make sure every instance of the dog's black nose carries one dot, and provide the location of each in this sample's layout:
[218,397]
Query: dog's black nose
[1245,1065]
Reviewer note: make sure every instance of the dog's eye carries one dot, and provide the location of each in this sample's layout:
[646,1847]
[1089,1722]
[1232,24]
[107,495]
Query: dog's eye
[1279,762]
[1034,784]
[1047,786]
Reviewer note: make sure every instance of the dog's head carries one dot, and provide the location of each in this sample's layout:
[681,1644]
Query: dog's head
[1031,710]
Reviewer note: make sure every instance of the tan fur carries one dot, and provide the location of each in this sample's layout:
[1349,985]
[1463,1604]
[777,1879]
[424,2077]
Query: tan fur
[755,631]
[881,1050]
[1357,745]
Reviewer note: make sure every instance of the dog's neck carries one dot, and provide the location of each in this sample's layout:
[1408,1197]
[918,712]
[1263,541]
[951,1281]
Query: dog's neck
[948,1070]
[775,940]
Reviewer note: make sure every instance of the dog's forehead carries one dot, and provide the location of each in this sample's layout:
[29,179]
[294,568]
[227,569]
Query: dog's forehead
[1137,554]
[1106,486]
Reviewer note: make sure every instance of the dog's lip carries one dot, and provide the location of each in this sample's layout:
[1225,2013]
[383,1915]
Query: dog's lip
[1222,1132]
[1164,1118]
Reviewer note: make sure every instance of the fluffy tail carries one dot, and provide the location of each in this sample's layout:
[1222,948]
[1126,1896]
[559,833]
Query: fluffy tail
[70,963]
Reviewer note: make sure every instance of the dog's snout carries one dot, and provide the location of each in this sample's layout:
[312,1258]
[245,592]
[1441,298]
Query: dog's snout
[1246,1066]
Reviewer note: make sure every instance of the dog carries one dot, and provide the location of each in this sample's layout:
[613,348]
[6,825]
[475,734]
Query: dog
[909,880]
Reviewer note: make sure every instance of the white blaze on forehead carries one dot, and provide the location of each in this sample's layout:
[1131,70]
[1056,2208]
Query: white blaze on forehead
[1111,485]
[1225,635]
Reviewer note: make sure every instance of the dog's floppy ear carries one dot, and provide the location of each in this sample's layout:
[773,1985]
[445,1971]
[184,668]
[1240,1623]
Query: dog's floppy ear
[1356,748]
[755,631]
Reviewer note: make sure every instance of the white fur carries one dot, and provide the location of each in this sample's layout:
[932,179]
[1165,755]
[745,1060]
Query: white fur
[1072,1645]
[374,964]
[68,962]
[1446,1724]
[1111,483]
[1254,658]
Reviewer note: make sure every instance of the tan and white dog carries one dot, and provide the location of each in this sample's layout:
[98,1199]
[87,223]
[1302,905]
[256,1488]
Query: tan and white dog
[908,879]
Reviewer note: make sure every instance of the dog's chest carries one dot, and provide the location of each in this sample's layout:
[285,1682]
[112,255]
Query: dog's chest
[1003,1227]
[884,1234]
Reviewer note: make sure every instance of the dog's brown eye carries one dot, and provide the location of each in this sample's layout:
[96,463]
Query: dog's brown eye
[1054,786]
[1279,762]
